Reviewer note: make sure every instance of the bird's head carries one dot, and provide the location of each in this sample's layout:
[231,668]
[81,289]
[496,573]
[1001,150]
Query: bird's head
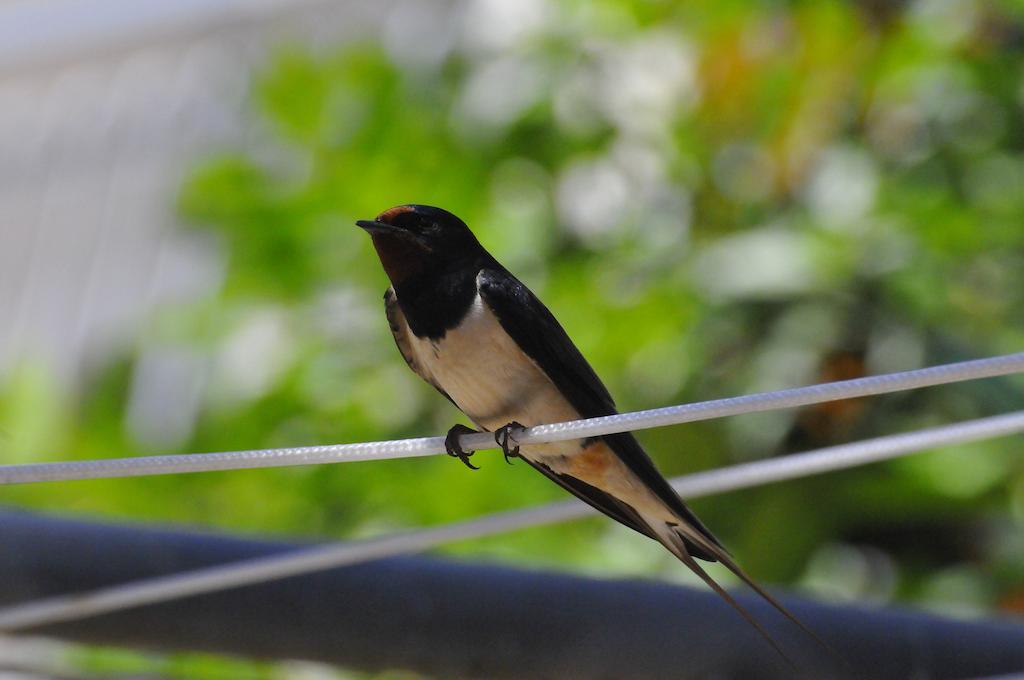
[410,239]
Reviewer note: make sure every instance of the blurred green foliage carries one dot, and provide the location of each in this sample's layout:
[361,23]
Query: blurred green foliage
[713,199]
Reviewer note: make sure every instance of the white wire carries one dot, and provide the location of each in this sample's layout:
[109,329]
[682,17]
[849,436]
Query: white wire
[425,446]
[304,560]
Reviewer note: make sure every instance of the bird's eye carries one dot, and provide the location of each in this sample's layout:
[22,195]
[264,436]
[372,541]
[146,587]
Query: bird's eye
[408,220]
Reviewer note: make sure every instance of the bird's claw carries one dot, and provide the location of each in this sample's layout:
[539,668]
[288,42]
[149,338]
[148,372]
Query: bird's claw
[502,436]
[454,449]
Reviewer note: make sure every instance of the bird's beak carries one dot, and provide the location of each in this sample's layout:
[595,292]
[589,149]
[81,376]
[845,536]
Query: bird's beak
[375,227]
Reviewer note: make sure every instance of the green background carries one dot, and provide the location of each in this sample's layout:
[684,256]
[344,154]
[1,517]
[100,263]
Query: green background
[714,200]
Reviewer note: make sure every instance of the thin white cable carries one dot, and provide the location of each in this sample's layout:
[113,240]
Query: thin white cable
[425,446]
[304,560]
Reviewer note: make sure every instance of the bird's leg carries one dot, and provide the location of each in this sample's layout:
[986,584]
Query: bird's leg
[502,436]
[454,449]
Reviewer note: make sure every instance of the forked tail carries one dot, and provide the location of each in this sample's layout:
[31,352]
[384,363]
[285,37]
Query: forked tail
[673,537]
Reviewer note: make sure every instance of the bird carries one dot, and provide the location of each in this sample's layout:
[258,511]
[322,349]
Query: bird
[470,328]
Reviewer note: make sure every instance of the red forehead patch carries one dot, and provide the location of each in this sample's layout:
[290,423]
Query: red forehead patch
[392,213]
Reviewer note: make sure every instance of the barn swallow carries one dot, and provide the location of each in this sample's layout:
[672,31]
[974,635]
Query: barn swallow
[476,333]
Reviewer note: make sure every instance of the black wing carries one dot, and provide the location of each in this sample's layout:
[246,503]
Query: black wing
[534,328]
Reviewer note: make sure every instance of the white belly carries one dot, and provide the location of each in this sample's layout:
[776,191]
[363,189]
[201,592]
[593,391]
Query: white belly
[492,380]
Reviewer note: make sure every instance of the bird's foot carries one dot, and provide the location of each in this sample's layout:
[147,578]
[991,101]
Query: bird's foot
[454,449]
[502,436]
